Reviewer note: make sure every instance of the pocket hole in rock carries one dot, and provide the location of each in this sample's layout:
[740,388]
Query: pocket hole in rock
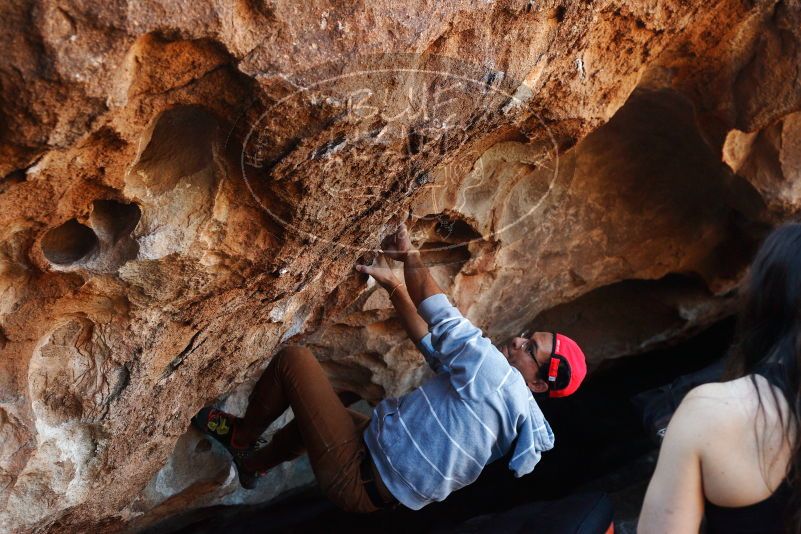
[114,219]
[446,238]
[179,143]
[69,243]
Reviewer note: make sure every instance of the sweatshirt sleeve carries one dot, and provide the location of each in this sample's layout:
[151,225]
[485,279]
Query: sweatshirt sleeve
[534,436]
[475,366]
[427,350]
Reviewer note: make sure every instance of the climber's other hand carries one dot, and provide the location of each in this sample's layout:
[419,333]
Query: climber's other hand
[398,245]
[381,271]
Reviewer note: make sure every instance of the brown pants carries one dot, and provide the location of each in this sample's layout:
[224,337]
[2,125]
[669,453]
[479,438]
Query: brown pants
[323,427]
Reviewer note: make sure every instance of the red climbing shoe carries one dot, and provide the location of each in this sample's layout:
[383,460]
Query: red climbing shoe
[220,426]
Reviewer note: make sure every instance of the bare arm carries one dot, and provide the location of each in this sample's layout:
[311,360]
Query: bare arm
[418,279]
[416,328]
[456,345]
[419,282]
[674,502]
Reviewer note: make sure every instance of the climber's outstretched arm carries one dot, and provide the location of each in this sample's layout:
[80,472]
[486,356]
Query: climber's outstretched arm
[419,281]
[416,328]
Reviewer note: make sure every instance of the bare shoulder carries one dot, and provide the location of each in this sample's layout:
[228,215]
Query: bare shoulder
[717,406]
[713,396]
[730,406]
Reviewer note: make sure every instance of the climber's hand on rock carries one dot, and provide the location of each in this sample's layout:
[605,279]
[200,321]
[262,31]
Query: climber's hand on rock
[397,245]
[381,271]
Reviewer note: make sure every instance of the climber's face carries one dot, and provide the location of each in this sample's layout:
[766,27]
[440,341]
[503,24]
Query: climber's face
[528,355]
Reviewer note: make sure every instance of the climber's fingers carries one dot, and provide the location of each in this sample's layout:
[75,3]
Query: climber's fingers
[382,273]
[366,269]
[398,244]
[402,238]
[388,244]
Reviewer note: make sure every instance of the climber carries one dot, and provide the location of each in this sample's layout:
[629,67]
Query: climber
[420,447]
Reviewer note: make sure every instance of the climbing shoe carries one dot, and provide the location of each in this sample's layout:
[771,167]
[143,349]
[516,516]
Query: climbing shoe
[220,426]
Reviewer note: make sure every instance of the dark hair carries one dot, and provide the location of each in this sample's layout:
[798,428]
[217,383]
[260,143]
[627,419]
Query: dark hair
[768,340]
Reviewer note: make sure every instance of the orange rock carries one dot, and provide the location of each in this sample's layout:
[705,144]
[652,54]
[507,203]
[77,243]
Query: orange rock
[186,186]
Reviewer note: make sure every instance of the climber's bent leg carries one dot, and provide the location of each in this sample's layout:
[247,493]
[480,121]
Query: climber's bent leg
[266,403]
[287,444]
[332,439]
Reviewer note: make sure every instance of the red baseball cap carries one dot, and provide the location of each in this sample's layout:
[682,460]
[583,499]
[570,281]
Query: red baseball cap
[567,358]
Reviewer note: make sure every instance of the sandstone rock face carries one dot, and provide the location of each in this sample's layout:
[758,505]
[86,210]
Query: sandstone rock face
[184,187]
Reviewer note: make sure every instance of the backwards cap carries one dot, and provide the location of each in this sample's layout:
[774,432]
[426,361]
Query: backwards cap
[568,355]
